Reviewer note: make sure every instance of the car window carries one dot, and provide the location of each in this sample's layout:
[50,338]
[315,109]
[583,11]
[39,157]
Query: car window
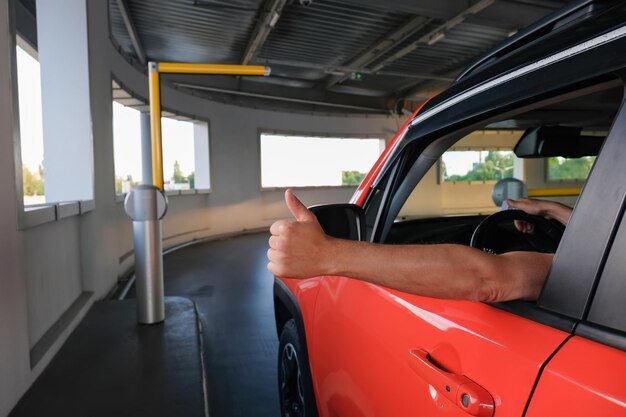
[438,211]
[462,180]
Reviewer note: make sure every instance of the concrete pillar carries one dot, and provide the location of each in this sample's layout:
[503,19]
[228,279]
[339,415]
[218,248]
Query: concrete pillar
[65,98]
[518,168]
[201,155]
[146,149]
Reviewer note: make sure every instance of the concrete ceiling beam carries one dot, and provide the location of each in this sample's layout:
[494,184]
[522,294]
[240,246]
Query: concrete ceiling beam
[436,34]
[132,30]
[381,47]
[267,19]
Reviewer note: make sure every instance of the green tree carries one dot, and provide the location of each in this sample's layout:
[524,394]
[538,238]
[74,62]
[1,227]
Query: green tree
[352,177]
[179,177]
[191,178]
[118,184]
[569,169]
[496,166]
[32,183]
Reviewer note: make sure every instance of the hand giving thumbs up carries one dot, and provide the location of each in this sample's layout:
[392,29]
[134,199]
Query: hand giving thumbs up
[298,248]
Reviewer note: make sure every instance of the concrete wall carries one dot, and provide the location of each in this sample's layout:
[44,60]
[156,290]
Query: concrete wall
[60,267]
[14,343]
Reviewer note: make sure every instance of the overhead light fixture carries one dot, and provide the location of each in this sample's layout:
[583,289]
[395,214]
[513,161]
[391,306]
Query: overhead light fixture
[275,18]
[435,38]
[217,5]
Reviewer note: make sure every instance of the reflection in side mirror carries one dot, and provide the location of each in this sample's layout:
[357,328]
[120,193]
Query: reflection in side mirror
[344,221]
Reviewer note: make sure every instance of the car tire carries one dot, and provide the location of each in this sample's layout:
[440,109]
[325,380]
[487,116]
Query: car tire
[295,388]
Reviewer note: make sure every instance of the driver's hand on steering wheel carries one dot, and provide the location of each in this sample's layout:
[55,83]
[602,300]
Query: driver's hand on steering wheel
[550,210]
[523,226]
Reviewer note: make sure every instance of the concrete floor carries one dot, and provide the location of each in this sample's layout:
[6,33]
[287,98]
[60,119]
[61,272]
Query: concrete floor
[111,367]
[233,292]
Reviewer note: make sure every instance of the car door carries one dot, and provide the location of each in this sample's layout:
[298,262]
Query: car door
[587,376]
[381,352]
[394,354]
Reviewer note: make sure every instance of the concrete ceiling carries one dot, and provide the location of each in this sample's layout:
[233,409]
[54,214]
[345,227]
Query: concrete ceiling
[357,56]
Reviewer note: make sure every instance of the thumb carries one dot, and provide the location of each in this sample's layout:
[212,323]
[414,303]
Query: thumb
[299,210]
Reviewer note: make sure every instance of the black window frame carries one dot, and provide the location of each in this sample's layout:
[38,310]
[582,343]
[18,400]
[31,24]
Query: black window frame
[567,76]
[603,320]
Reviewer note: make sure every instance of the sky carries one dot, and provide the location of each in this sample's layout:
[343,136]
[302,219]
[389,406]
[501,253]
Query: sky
[29,93]
[178,144]
[461,162]
[308,161]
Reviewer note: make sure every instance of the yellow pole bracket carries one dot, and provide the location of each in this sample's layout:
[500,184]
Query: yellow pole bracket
[215,69]
[553,192]
[154,87]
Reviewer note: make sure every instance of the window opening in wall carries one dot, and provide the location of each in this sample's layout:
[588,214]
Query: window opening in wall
[185,146]
[569,169]
[31,131]
[312,161]
[178,154]
[480,165]
[126,147]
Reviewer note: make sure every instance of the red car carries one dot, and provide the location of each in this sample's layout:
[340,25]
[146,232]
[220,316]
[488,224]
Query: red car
[349,348]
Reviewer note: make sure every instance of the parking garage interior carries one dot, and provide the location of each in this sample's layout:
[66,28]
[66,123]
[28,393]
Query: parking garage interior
[346,71]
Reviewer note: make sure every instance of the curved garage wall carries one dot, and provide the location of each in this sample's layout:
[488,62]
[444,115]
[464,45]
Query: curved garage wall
[236,202]
[56,269]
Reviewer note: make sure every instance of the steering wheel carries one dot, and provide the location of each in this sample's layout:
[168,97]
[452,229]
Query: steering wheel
[498,234]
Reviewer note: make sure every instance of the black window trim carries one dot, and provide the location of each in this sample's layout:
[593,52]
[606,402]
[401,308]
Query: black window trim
[580,260]
[601,334]
[542,313]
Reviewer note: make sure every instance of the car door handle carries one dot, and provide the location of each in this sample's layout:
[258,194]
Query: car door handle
[459,389]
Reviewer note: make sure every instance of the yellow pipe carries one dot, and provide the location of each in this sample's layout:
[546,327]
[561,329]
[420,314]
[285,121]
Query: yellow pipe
[155,124]
[554,192]
[215,69]
[154,70]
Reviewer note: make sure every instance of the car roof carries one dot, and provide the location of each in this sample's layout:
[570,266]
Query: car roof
[530,33]
[580,21]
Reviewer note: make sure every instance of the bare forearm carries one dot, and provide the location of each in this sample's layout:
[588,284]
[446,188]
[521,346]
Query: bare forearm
[442,271]
[300,249]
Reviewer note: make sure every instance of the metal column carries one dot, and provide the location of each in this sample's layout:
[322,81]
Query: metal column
[146,205]
[146,149]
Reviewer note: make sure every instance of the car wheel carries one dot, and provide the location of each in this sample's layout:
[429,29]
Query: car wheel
[294,383]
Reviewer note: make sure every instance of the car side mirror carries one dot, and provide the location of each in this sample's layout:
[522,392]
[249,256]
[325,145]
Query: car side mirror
[344,221]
